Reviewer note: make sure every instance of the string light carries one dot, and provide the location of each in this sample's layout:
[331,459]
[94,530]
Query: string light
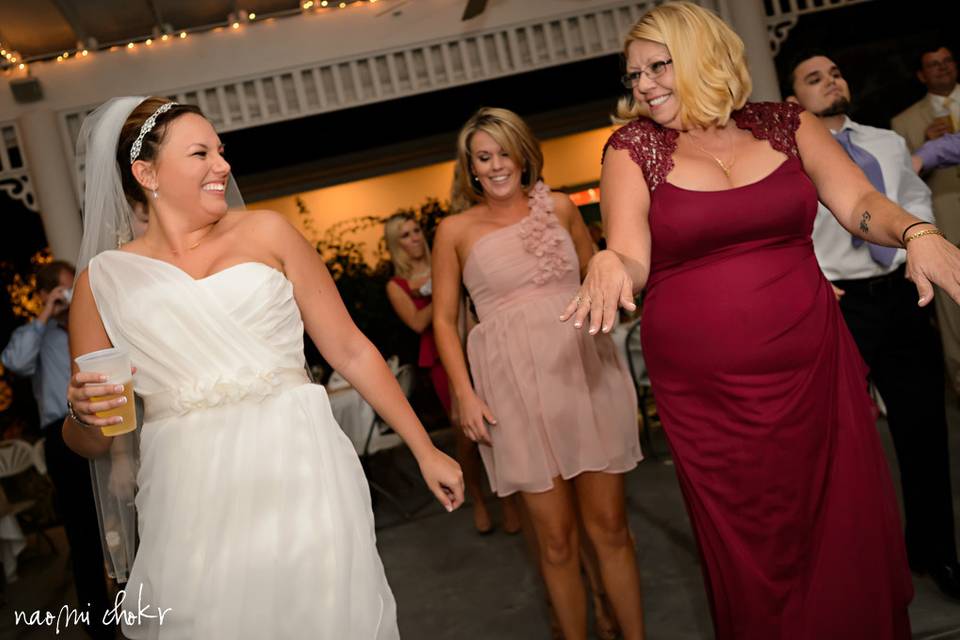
[234,20]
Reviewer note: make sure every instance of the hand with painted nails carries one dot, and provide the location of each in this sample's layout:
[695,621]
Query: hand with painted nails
[90,396]
[605,289]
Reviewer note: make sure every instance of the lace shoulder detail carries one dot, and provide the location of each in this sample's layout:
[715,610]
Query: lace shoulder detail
[542,236]
[650,146]
[775,122]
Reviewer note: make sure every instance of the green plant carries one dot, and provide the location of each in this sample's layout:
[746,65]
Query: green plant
[362,283]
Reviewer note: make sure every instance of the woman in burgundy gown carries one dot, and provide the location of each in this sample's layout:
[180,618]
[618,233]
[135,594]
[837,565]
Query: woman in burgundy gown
[709,203]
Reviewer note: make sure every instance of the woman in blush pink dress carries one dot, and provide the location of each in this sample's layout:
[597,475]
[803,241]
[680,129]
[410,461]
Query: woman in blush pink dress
[553,409]
[410,297]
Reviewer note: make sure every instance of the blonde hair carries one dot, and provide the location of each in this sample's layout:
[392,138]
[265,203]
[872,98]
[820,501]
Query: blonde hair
[392,230]
[709,64]
[512,134]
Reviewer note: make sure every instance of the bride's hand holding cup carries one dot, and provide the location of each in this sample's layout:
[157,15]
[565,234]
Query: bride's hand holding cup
[101,392]
[606,287]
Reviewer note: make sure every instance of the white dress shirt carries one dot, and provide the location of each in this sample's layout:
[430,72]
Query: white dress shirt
[949,104]
[837,256]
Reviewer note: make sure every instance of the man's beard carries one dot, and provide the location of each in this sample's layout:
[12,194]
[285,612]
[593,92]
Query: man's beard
[840,107]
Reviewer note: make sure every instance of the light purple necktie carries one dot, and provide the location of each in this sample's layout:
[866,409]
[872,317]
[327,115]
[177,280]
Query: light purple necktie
[870,166]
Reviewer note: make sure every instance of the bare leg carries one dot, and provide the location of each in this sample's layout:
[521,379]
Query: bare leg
[555,523]
[512,521]
[603,507]
[468,455]
[605,622]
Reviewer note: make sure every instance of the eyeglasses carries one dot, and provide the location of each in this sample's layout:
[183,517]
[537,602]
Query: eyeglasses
[653,70]
[939,64]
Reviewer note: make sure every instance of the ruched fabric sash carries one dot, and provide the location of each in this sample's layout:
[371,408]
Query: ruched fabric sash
[219,391]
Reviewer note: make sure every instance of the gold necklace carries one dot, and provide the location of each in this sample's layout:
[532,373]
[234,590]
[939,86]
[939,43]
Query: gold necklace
[723,166]
[202,238]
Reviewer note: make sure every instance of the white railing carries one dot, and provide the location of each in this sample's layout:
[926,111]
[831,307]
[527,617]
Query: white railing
[331,85]
[783,15]
[14,174]
[423,67]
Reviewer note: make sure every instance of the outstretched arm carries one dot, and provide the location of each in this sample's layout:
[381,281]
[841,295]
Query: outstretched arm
[868,214]
[350,352]
[620,271]
[935,154]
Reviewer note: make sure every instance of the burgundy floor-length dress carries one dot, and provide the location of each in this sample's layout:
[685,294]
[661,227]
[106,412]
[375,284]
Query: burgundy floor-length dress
[763,397]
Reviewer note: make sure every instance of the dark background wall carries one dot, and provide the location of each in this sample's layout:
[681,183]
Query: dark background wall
[874,44]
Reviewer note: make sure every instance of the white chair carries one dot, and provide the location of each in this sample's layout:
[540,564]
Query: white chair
[381,438]
[16,457]
[633,353]
[39,456]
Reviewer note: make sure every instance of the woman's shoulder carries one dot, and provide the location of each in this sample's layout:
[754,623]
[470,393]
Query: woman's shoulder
[759,115]
[457,224]
[642,127]
[641,137]
[775,122]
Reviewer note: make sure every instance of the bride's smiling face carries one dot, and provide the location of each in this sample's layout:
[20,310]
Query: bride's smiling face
[191,172]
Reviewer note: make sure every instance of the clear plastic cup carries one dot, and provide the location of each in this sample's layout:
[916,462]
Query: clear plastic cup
[115,364]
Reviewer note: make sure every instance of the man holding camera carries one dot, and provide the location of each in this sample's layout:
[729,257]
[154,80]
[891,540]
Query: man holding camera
[40,350]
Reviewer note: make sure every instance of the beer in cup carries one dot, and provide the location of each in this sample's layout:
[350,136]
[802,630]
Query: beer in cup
[115,364]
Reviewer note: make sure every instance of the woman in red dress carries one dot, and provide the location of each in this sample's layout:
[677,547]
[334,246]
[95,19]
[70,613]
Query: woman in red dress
[410,296]
[708,204]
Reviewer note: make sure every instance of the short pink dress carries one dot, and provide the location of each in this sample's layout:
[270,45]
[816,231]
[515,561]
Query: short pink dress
[563,400]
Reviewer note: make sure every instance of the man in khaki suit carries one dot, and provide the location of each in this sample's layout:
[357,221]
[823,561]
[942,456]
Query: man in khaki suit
[934,115]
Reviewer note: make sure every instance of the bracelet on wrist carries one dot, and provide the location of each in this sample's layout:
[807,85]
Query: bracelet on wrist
[72,414]
[903,236]
[920,234]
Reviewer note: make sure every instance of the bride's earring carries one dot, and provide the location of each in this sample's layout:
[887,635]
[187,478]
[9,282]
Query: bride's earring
[155,194]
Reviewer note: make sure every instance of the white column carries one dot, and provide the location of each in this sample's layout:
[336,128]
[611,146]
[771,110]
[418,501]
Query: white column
[748,19]
[52,182]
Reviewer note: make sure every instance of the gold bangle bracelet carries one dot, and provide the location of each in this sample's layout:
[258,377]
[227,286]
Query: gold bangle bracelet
[919,234]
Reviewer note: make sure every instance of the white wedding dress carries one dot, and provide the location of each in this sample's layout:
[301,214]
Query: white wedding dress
[254,513]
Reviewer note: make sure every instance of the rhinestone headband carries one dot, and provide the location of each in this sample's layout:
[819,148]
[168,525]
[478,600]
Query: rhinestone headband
[147,127]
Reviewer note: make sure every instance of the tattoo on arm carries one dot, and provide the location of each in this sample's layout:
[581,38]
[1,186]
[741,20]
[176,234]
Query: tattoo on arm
[864,219]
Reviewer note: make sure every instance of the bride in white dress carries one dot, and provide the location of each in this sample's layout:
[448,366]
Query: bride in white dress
[254,513]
